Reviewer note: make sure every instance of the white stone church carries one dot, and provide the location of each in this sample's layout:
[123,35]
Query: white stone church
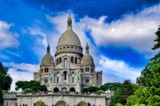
[69,70]
[65,74]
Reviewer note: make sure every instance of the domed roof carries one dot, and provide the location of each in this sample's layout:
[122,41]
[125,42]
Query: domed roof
[47,58]
[87,59]
[69,37]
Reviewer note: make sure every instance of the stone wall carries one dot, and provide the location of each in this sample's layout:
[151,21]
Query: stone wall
[69,99]
[10,100]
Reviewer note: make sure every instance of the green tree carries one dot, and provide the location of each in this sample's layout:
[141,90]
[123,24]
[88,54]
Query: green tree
[30,86]
[111,86]
[157,44]
[5,81]
[122,93]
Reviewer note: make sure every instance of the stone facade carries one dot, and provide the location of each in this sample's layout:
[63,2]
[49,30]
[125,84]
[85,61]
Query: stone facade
[69,70]
[65,99]
[10,100]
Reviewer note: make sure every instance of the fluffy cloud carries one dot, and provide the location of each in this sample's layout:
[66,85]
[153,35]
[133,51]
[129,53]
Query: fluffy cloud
[118,69]
[133,30]
[7,38]
[22,71]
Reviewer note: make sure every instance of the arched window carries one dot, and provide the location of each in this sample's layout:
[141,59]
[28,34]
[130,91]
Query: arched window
[57,61]
[60,60]
[97,76]
[42,70]
[72,79]
[57,79]
[82,70]
[46,70]
[87,69]
[71,59]
[65,75]
[75,60]
[65,62]
[89,104]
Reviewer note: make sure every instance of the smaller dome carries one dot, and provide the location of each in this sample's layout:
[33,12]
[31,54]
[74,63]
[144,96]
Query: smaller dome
[47,59]
[87,59]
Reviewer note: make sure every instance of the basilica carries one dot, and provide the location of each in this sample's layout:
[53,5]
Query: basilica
[69,70]
[65,74]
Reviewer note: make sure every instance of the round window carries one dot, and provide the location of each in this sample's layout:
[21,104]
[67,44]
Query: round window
[46,80]
[86,80]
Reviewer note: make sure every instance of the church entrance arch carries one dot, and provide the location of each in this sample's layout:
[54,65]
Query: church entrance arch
[56,90]
[72,89]
[61,103]
[64,89]
[39,103]
[82,103]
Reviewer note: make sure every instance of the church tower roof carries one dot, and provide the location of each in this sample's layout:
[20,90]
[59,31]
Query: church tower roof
[87,59]
[47,58]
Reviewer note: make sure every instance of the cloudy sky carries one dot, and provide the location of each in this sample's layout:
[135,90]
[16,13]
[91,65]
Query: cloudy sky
[120,34]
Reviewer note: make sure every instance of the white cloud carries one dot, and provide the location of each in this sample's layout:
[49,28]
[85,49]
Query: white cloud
[22,71]
[118,68]
[133,30]
[7,38]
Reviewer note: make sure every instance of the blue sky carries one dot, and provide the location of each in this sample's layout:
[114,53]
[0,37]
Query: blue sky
[120,33]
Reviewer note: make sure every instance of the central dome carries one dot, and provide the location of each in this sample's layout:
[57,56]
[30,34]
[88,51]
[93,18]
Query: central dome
[69,42]
[69,38]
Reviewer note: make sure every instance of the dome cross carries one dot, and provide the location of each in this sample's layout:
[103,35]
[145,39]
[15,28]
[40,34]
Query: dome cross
[48,48]
[69,22]
[87,48]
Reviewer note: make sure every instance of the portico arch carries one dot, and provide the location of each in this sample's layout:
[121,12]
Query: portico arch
[72,89]
[64,89]
[82,103]
[56,90]
[61,103]
[39,103]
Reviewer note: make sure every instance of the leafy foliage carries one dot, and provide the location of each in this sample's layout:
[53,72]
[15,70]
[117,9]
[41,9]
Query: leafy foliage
[157,40]
[30,86]
[1,97]
[111,86]
[5,81]
[145,95]
[99,92]
[122,93]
